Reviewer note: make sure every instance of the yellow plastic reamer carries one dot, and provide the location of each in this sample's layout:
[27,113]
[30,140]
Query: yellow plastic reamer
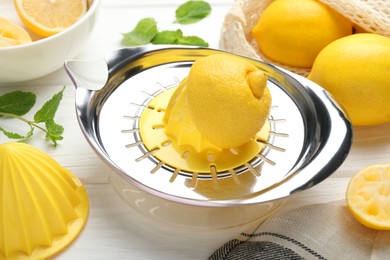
[179,144]
[43,206]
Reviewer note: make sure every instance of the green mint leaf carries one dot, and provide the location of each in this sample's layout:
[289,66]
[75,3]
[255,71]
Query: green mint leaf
[143,33]
[167,37]
[49,109]
[17,102]
[192,40]
[53,128]
[54,131]
[13,135]
[192,11]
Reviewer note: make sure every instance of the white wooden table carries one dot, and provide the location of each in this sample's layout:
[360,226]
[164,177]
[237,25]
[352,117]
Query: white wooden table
[114,230]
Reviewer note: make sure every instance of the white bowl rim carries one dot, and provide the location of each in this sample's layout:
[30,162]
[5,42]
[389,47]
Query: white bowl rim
[90,11]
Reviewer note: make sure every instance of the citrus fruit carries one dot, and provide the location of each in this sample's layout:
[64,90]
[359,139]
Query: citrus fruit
[228,99]
[48,17]
[368,196]
[355,70]
[12,34]
[293,32]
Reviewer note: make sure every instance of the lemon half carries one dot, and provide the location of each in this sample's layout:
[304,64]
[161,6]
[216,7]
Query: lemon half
[48,17]
[368,196]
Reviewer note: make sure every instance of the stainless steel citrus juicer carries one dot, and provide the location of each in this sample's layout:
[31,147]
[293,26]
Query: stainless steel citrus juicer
[307,137]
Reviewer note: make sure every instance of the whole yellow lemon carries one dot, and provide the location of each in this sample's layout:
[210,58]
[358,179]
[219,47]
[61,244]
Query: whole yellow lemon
[228,99]
[356,71]
[293,32]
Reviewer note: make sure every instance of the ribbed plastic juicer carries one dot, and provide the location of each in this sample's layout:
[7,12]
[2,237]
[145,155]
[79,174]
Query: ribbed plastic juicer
[120,103]
[44,206]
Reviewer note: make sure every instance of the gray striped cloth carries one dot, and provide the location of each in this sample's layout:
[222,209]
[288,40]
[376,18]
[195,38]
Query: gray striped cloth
[321,231]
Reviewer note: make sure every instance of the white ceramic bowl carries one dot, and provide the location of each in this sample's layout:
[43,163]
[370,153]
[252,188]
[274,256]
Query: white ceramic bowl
[43,56]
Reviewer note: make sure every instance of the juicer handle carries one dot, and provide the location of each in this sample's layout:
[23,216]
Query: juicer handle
[93,75]
[88,74]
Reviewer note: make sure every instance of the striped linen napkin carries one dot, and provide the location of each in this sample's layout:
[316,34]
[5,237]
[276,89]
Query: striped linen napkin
[320,231]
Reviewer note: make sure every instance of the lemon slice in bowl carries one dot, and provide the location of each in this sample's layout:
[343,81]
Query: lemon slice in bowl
[12,34]
[368,196]
[48,17]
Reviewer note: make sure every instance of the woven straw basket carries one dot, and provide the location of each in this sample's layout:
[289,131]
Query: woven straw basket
[371,15]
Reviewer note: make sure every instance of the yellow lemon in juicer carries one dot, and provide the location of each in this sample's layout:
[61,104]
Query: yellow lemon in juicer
[214,120]
[228,99]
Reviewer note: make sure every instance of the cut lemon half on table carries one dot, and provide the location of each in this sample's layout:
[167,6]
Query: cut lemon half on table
[48,17]
[12,34]
[368,196]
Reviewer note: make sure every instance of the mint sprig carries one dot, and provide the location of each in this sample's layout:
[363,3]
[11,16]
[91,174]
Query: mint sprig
[139,37]
[18,103]
[146,30]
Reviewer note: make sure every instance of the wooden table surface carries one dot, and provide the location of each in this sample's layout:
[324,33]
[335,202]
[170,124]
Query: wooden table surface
[116,231]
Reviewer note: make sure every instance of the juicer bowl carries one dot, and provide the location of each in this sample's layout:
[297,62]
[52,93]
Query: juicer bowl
[309,138]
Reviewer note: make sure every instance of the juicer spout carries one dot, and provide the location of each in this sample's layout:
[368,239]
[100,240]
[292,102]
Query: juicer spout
[90,75]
